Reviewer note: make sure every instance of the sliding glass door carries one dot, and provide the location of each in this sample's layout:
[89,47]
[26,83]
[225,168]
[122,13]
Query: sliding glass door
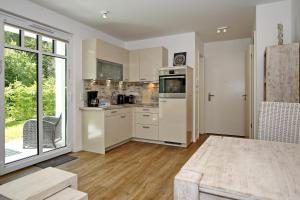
[34,94]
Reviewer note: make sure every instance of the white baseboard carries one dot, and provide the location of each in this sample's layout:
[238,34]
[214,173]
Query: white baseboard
[77,149]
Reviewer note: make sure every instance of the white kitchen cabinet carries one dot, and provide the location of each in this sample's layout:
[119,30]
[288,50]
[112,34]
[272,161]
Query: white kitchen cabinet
[144,64]
[124,132]
[146,123]
[173,120]
[149,132]
[147,118]
[117,126]
[93,49]
[89,59]
[134,66]
[111,130]
[151,60]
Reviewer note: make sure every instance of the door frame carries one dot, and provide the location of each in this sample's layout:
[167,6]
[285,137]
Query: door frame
[41,29]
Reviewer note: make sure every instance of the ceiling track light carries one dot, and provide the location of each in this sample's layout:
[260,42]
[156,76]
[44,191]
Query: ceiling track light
[222,29]
[104,14]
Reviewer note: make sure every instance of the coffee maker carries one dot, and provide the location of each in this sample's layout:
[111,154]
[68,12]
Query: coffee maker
[92,99]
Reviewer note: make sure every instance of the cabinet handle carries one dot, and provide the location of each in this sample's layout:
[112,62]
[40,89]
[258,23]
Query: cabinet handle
[113,111]
[146,115]
[142,79]
[145,109]
[163,101]
[123,116]
[146,127]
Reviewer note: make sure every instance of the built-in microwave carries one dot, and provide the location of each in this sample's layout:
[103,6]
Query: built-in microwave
[172,83]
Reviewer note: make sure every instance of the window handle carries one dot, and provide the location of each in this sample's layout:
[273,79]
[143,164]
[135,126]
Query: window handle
[0,66]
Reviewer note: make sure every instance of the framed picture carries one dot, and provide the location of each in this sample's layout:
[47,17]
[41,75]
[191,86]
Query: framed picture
[179,59]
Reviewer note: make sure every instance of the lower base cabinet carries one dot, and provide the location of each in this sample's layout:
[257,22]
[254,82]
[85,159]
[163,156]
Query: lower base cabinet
[146,123]
[117,127]
[149,132]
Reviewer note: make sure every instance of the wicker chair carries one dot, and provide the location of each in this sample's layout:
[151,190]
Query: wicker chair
[52,132]
[279,122]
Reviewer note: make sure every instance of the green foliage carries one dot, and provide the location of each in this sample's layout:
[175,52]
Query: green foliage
[21,100]
[20,66]
[21,77]
[49,97]
[12,38]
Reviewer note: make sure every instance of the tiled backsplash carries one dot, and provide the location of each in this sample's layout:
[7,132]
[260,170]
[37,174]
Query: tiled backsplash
[146,93]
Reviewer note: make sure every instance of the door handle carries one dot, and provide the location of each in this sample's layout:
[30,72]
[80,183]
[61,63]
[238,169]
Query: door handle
[245,97]
[210,95]
[0,66]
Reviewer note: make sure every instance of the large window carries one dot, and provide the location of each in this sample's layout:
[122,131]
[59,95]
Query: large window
[34,93]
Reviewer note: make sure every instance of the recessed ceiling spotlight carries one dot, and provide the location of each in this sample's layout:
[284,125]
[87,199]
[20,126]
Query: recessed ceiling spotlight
[222,29]
[105,14]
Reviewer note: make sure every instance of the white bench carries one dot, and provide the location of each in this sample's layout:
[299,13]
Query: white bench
[69,194]
[39,185]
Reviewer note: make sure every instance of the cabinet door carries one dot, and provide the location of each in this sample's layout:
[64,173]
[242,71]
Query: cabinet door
[150,63]
[149,132]
[173,120]
[134,65]
[124,132]
[126,72]
[89,60]
[111,130]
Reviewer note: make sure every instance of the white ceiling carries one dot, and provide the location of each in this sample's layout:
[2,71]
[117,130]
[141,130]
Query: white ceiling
[140,19]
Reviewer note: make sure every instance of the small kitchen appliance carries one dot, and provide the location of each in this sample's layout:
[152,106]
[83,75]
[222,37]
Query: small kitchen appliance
[130,99]
[121,99]
[93,100]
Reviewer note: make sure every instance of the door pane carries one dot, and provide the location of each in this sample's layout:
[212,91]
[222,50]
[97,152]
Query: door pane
[54,86]
[47,44]
[30,40]
[12,35]
[60,48]
[21,138]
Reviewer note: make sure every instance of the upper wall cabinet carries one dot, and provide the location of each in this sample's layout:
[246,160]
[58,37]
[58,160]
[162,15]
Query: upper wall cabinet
[93,49]
[144,64]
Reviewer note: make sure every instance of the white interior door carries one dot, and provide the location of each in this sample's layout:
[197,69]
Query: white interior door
[225,87]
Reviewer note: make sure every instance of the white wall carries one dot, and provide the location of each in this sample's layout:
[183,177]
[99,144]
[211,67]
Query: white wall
[80,31]
[185,42]
[296,20]
[267,18]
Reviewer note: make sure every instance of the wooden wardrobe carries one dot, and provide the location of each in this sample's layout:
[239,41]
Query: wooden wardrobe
[282,73]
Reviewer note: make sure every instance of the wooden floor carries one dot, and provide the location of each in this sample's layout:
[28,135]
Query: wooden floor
[132,171]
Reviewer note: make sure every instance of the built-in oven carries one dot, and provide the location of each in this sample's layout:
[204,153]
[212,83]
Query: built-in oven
[172,83]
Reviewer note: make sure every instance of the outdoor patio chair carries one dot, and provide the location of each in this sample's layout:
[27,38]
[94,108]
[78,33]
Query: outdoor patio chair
[279,122]
[52,132]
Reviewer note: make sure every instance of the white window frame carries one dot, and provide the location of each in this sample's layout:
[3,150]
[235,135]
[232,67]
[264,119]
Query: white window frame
[23,23]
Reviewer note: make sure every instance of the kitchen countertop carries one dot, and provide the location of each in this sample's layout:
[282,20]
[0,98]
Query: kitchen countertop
[120,106]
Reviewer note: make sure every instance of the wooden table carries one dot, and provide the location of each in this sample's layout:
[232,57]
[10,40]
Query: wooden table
[233,168]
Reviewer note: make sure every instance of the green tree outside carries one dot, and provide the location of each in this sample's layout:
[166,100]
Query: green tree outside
[21,85]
